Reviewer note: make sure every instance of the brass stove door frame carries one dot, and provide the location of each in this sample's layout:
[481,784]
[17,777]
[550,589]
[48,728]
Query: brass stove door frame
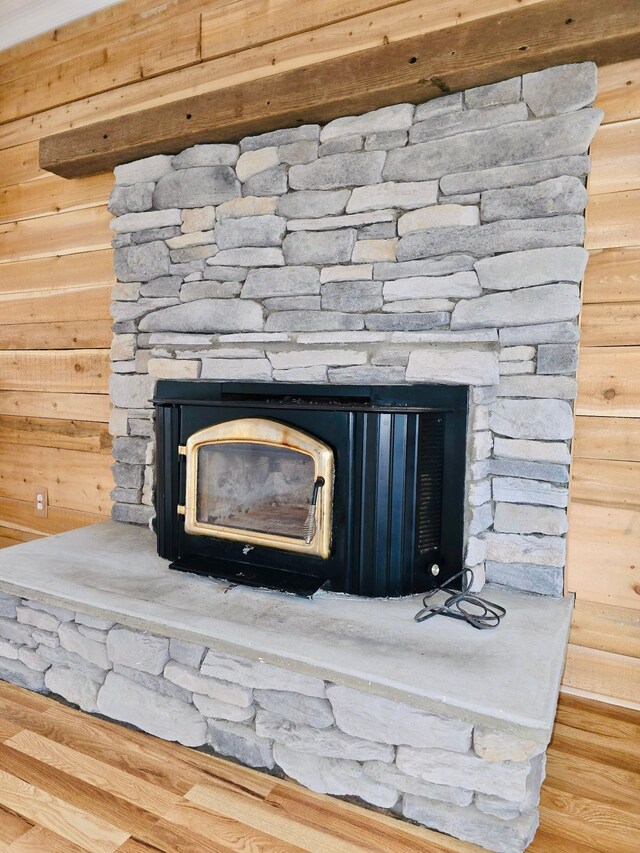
[264,431]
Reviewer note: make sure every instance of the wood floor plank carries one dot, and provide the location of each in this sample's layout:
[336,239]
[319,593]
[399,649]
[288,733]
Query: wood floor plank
[188,824]
[580,820]
[89,832]
[151,798]
[316,811]
[41,840]
[588,778]
[269,818]
[12,826]
[116,811]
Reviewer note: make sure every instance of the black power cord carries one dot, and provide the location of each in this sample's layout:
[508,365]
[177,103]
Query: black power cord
[464,605]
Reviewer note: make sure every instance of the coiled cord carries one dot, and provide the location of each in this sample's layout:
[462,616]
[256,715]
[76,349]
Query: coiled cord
[464,605]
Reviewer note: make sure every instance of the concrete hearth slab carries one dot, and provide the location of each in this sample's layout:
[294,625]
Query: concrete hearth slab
[508,677]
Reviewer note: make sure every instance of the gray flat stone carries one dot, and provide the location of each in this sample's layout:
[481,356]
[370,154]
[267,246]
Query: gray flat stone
[519,490]
[220,154]
[504,92]
[439,105]
[536,266]
[138,650]
[208,315]
[453,123]
[185,652]
[407,195]
[544,333]
[520,518]
[8,605]
[396,117]
[196,187]
[314,321]
[472,825]
[506,779]
[511,176]
[334,776]
[461,285]
[341,145]
[555,302]
[288,281]
[240,742]
[505,236]
[73,686]
[367,375]
[330,743]
[153,682]
[73,641]
[270,182]
[355,296]
[259,675]
[411,663]
[507,144]
[147,169]
[162,716]
[385,721]
[298,153]
[252,369]
[293,303]
[548,198]
[309,203]
[340,170]
[406,322]
[535,451]
[37,619]
[69,660]
[142,221]
[452,365]
[536,419]
[142,263]
[390,775]
[247,257]
[15,672]
[128,476]
[520,548]
[218,710]
[561,89]
[427,267]
[308,710]
[557,358]
[385,140]
[196,682]
[558,387]
[280,137]
[133,199]
[530,470]
[543,580]
[250,231]
[327,247]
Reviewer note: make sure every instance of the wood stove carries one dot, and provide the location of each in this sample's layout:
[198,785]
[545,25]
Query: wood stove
[297,487]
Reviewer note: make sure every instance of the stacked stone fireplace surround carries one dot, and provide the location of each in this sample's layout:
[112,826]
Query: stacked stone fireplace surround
[438,243]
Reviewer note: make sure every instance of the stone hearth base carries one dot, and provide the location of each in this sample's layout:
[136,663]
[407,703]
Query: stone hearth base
[439,723]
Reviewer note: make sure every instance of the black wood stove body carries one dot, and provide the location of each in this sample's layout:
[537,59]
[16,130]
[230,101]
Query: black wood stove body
[297,487]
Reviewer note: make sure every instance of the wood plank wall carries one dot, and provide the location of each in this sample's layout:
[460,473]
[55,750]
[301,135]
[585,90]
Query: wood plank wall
[604,533]
[56,268]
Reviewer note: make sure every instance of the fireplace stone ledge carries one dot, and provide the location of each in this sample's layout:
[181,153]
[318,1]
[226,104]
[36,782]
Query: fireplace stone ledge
[505,679]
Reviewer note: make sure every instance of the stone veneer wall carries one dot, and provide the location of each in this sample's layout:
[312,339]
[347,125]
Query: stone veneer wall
[477,783]
[438,243]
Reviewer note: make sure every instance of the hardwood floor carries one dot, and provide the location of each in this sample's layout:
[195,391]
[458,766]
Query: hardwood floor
[72,783]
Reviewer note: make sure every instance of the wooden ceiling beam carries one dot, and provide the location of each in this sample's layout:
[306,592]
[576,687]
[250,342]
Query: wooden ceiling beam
[414,69]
